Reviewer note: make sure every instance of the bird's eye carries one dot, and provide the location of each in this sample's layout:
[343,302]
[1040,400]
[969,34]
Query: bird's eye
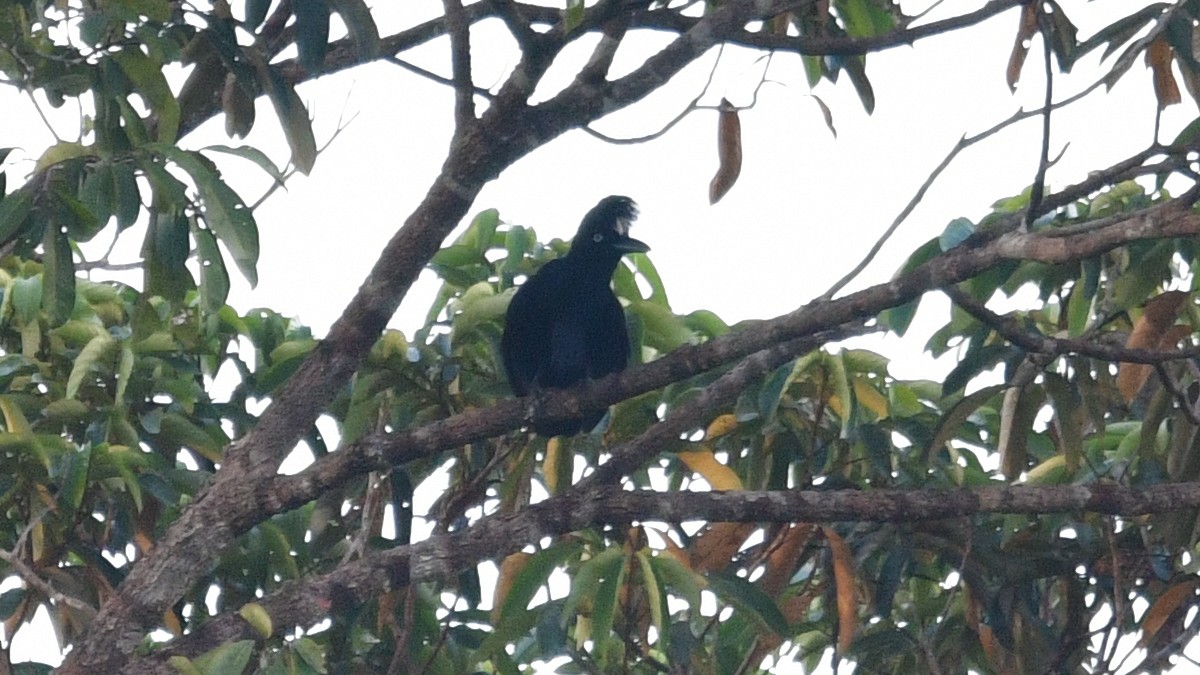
[597,237]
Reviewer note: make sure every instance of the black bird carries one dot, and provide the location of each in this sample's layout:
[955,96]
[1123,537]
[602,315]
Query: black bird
[565,324]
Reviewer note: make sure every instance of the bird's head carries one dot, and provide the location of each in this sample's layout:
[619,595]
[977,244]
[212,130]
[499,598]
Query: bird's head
[605,229]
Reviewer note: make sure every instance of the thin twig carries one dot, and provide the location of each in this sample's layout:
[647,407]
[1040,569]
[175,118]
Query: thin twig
[691,107]
[1039,180]
[962,144]
[460,60]
[1039,343]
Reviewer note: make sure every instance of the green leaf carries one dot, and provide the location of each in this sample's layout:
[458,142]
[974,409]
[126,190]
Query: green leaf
[98,194]
[604,605]
[10,601]
[254,155]
[950,423]
[165,251]
[748,598]
[231,657]
[214,278]
[224,212]
[586,578]
[899,318]
[26,297]
[312,33]
[1082,298]
[127,197]
[58,270]
[14,209]
[957,231]
[80,220]
[575,10]
[297,128]
[514,619]
[74,480]
[480,232]
[149,83]
[87,359]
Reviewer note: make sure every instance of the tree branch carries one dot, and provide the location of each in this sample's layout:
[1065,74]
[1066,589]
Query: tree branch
[1038,343]
[460,64]
[306,601]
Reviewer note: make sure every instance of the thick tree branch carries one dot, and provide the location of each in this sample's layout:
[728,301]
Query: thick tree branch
[306,601]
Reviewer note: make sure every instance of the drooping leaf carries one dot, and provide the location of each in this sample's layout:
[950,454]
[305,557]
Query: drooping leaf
[146,75]
[1025,32]
[293,116]
[58,286]
[729,152]
[749,599]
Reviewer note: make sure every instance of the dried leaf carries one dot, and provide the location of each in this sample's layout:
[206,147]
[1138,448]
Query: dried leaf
[847,594]
[1152,330]
[1162,609]
[729,152]
[1025,33]
[785,554]
[826,112]
[1159,56]
[713,548]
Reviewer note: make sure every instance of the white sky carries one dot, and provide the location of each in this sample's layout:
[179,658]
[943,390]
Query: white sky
[805,209]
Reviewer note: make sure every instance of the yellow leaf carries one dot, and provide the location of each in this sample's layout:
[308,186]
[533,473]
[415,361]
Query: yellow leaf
[843,576]
[719,476]
[14,419]
[171,622]
[258,618]
[870,398]
[1162,609]
[722,425]
[550,464]
[509,569]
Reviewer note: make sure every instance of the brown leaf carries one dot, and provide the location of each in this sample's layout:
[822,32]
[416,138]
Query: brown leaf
[1154,329]
[1159,56]
[713,548]
[729,152]
[847,593]
[1162,609]
[1025,33]
[784,556]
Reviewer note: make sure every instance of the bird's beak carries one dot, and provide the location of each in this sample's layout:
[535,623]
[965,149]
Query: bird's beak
[631,245]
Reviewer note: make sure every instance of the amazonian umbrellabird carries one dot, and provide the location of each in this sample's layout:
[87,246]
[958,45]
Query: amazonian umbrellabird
[565,324]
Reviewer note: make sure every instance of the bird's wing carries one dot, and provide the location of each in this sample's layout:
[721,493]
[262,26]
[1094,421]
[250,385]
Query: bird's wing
[528,324]
[608,346]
